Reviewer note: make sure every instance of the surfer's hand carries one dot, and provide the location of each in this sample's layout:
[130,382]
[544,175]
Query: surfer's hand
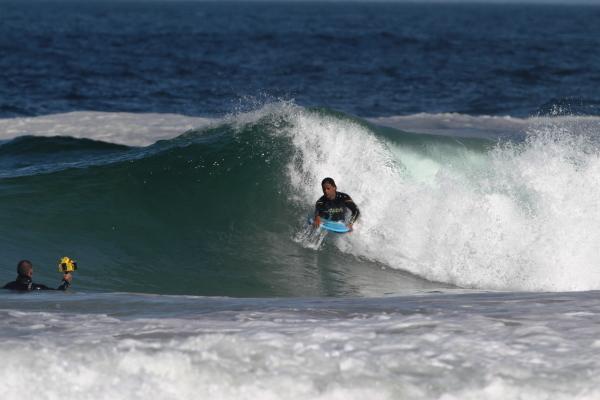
[349,227]
[317,221]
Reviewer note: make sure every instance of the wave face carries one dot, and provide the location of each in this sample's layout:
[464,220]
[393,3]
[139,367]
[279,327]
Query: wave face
[218,210]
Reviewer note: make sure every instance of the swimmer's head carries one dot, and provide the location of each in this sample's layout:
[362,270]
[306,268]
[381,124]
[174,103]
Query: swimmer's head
[329,188]
[25,269]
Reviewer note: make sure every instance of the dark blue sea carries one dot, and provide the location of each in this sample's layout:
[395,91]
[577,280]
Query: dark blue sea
[366,59]
[176,149]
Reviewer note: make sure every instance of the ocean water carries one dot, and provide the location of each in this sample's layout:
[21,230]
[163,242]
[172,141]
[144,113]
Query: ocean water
[175,149]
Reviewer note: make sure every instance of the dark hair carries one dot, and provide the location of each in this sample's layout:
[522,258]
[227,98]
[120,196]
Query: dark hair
[23,267]
[330,181]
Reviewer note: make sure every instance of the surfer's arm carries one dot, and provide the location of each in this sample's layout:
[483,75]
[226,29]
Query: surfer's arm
[348,202]
[319,209]
[66,282]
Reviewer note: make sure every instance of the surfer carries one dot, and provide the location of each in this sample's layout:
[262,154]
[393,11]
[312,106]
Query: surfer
[333,204]
[24,281]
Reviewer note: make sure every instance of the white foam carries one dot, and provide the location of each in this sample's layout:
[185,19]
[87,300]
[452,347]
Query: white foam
[521,217]
[418,348]
[122,128]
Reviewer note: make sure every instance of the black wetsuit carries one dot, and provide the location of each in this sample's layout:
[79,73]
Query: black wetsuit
[24,284]
[335,209]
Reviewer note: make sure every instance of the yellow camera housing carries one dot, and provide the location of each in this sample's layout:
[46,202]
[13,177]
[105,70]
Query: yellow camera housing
[66,265]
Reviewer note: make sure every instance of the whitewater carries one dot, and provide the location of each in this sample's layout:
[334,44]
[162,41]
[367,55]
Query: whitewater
[472,273]
[428,346]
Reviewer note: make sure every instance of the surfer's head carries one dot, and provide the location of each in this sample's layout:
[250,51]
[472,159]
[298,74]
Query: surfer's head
[329,188]
[25,269]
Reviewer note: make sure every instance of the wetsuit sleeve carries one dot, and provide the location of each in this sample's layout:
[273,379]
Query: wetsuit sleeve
[39,286]
[348,202]
[24,287]
[320,207]
[63,286]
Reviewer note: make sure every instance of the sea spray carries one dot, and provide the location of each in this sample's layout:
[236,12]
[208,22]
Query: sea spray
[515,216]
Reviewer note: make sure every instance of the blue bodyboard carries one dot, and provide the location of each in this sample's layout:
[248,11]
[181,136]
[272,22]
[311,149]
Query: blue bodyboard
[333,226]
